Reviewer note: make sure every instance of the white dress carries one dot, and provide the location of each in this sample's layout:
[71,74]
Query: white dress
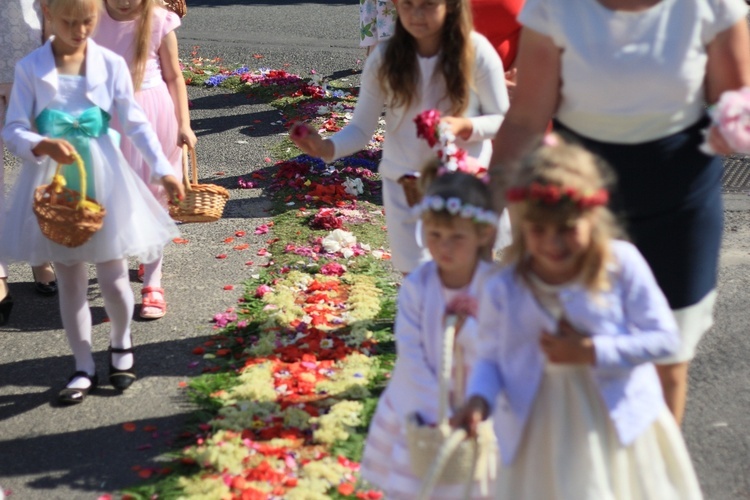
[386,462]
[135,223]
[570,449]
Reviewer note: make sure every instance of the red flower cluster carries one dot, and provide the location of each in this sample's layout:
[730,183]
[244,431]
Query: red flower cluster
[427,126]
[328,219]
[550,194]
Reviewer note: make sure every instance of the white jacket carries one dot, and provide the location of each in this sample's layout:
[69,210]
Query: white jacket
[631,325]
[109,86]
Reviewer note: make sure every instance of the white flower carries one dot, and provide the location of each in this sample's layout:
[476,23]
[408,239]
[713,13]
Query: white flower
[453,205]
[347,253]
[450,149]
[436,203]
[469,212]
[326,343]
[337,240]
[378,254]
[322,110]
[353,186]
[365,247]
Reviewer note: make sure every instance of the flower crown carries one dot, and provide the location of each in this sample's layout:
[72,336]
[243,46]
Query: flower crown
[439,137]
[456,207]
[550,194]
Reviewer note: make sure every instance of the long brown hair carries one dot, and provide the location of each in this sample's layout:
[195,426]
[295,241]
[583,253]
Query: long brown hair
[566,166]
[399,73]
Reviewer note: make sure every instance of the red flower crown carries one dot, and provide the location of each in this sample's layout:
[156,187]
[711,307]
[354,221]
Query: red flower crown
[550,194]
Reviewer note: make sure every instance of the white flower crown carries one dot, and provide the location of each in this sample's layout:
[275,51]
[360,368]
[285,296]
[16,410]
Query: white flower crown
[455,206]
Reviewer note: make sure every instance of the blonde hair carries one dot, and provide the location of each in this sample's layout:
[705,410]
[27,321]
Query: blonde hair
[399,73]
[565,166]
[82,7]
[143,40]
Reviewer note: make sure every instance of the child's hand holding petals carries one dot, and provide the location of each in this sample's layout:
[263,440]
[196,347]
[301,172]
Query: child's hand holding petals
[175,189]
[460,126]
[470,415]
[568,346]
[309,141]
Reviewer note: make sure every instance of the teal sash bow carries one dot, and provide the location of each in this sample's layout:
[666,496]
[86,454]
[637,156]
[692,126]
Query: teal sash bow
[92,123]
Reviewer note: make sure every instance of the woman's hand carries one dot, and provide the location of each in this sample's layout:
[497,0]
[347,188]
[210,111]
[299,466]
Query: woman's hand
[460,126]
[60,150]
[310,142]
[185,135]
[175,189]
[568,346]
[717,142]
[470,415]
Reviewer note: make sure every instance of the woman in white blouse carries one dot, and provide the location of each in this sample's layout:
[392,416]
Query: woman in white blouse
[630,80]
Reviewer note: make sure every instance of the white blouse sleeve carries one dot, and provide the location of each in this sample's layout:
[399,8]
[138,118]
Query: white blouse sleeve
[539,16]
[135,124]
[357,134]
[486,378]
[19,133]
[722,15]
[489,79]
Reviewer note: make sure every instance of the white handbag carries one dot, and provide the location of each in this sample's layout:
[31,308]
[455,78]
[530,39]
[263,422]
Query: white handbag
[441,455]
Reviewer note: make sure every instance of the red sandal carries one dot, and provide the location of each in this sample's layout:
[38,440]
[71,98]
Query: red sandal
[149,301]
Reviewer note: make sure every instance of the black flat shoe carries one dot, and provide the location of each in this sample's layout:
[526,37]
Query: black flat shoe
[121,379]
[6,305]
[71,396]
[46,289]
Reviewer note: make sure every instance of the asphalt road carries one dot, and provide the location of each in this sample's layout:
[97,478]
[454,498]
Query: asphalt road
[47,452]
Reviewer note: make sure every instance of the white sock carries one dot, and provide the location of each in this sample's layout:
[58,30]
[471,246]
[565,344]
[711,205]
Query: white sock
[76,318]
[119,303]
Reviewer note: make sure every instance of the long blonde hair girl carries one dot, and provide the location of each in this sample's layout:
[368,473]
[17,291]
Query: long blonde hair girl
[571,169]
[399,73]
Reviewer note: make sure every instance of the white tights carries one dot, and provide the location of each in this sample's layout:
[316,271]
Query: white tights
[152,272]
[118,297]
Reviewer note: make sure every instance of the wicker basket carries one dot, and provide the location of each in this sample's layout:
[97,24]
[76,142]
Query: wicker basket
[65,216]
[203,202]
[179,7]
[410,183]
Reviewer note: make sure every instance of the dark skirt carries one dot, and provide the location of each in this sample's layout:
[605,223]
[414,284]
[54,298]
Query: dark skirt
[668,198]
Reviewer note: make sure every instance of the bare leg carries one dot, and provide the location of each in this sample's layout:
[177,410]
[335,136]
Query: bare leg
[674,383]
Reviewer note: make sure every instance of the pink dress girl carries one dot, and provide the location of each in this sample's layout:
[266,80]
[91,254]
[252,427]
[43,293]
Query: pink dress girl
[162,108]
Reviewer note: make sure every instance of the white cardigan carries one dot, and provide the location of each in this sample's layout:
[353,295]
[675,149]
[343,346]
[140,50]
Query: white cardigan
[403,151]
[109,86]
[631,325]
[419,329]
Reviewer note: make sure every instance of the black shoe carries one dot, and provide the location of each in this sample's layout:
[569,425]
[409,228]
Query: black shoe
[120,379]
[6,305]
[46,289]
[70,396]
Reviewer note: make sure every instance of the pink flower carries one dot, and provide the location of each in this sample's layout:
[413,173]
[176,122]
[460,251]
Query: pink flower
[732,116]
[427,125]
[262,229]
[262,290]
[332,269]
[463,305]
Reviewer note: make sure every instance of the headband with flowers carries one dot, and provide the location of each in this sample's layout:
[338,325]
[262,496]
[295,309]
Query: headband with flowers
[550,194]
[440,138]
[456,207]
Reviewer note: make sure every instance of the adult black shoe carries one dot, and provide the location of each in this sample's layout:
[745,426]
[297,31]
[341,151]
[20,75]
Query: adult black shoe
[72,396]
[121,379]
[6,305]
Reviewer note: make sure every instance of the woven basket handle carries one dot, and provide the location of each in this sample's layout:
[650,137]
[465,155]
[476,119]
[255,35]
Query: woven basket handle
[55,185]
[187,180]
[446,364]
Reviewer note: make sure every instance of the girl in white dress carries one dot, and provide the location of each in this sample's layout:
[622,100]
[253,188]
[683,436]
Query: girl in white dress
[433,61]
[458,224]
[567,334]
[64,94]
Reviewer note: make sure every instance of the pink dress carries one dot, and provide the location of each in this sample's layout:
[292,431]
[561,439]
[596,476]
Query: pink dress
[154,96]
